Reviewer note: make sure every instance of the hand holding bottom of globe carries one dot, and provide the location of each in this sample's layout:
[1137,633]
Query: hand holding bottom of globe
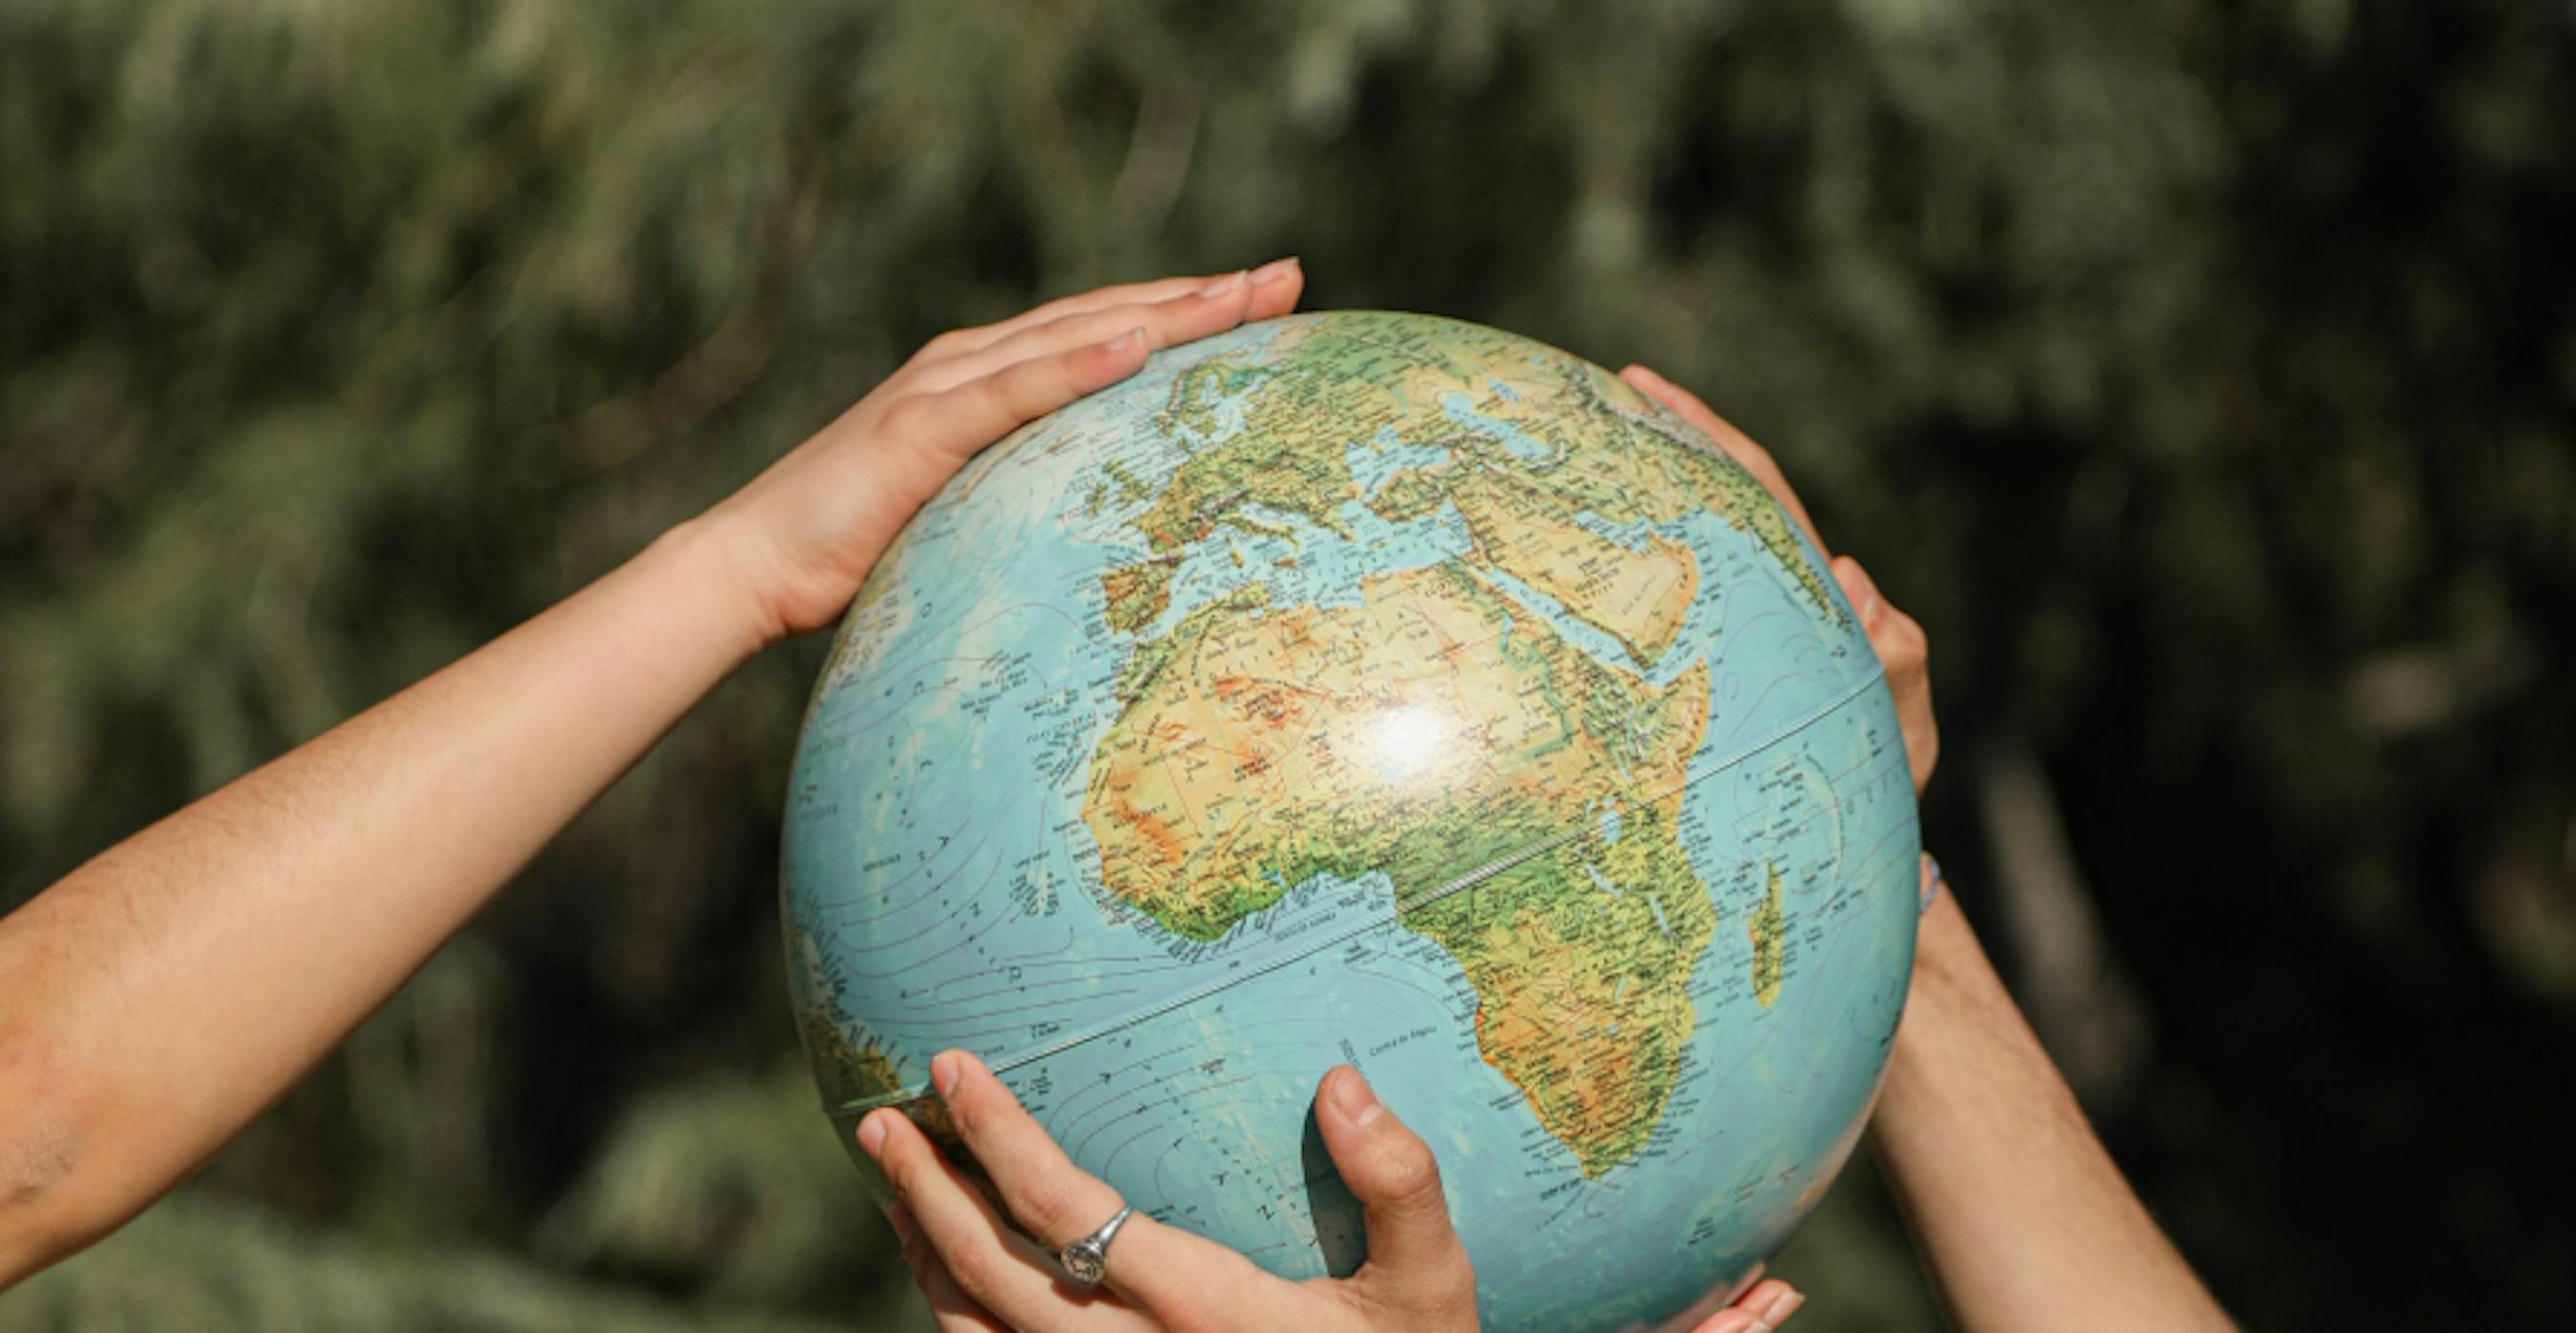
[985,1260]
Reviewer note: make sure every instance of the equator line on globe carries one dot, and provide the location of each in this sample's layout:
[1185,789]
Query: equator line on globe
[1374,688]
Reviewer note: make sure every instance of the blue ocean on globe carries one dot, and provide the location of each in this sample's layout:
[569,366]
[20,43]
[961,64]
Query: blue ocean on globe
[1376,689]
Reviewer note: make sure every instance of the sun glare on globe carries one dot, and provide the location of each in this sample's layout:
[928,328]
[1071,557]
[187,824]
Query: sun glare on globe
[1413,742]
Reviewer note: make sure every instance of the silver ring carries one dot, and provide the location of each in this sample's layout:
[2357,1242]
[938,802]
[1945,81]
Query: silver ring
[1086,1261]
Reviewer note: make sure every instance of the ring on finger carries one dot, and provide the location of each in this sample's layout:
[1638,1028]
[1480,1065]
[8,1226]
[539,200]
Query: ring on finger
[1086,1261]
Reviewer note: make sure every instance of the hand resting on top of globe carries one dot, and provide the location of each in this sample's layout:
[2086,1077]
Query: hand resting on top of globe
[218,951]
[805,532]
[1903,651]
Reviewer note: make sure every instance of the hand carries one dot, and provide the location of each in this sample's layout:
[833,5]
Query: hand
[982,1274]
[795,543]
[1903,651]
[1764,1306]
[2024,1218]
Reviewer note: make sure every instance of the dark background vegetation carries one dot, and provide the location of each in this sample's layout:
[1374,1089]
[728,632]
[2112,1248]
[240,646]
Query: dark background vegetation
[2202,374]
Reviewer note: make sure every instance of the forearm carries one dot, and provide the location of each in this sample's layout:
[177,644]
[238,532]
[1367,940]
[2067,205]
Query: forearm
[2024,1219]
[157,999]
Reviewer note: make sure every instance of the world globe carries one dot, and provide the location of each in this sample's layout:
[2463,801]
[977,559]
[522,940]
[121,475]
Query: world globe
[1376,689]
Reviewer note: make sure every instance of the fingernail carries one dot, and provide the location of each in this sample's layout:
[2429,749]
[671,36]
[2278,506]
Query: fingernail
[1274,270]
[872,1132]
[1125,340]
[1781,1309]
[1223,285]
[1648,372]
[1352,1097]
[1857,585]
[1757,1326]
[944,1069]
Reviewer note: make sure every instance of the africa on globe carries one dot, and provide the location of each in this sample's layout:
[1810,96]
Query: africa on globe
[1381,689]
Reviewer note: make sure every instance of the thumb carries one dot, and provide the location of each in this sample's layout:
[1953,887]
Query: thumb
[1858,589]
[1414,1255]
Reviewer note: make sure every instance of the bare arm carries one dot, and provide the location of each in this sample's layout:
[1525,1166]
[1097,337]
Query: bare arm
[2024,1219]
[2026,1222]
[165,993]
[157,999]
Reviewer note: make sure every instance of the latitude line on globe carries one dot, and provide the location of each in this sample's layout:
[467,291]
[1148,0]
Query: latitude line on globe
[1402,903]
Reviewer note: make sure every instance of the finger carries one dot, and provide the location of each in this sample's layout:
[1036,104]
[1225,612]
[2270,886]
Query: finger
[1770,1302]
[1766,1307]
[1911,682]
[1859,589]
[1000,1270]
[957,421]
[1414,1255]
[950,1307]
[1276,288]
[1211,309]
[1904,653]
[1738,446]
[1181,1279]
[962,341]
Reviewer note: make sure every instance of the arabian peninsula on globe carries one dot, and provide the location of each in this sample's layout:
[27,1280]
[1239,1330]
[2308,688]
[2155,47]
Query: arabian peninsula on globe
[1381,689]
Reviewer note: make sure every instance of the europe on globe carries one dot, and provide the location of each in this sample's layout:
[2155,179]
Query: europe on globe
[1381,689]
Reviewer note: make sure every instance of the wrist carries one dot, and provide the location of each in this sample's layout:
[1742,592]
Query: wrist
[1947,959]
[700,574]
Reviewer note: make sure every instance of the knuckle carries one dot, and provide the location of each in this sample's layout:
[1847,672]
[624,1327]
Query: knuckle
[976,1117]
[996,390]
[1911,642]
[908,415]
[1045,1205]
[1413,1175]
[902,1173]
[978,1269]
[948,344]
[1001,397]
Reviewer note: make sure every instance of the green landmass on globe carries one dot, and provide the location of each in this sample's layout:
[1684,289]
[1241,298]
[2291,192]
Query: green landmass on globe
[1360,683]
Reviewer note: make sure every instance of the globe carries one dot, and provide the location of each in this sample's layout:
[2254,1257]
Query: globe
[1382,689]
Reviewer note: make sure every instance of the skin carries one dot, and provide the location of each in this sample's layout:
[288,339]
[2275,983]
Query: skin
[2023,1218]
[981,1274]
[249,932]
[161,996]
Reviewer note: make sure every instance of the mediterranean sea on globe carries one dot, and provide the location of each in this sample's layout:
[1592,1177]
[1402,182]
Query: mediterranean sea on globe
[1382,689]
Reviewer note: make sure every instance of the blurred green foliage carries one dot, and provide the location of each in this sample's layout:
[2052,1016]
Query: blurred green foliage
[2203,375]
